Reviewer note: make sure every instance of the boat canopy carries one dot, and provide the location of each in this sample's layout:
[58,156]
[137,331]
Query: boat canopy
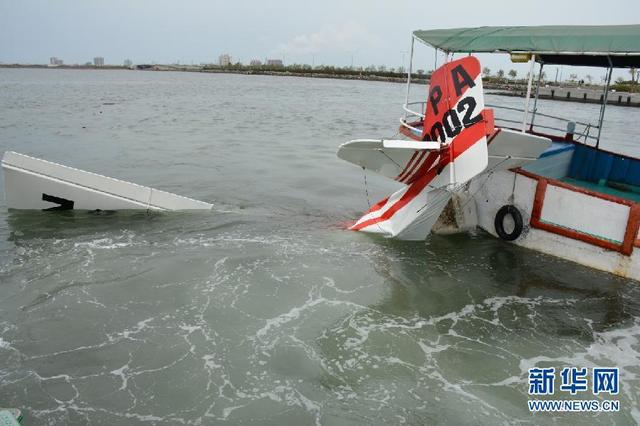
[583,45]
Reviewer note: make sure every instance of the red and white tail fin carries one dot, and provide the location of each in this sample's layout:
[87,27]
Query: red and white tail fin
[457,119]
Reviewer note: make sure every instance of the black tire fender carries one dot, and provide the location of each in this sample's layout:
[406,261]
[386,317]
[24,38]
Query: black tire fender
[517,220]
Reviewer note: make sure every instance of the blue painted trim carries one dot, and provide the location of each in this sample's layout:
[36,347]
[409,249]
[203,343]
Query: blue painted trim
[557,148]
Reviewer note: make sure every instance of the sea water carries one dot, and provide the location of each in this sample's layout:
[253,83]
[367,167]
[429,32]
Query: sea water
[266,310]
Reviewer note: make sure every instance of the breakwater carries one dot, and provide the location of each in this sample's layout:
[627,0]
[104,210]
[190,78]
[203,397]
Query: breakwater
[577,94]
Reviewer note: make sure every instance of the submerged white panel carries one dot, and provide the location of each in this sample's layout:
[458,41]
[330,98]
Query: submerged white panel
[35,184]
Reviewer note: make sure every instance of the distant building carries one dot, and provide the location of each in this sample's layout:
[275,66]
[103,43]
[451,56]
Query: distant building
[127,63]
[256,62]
[55,61]
[275,62]
[98,61]
[224,60]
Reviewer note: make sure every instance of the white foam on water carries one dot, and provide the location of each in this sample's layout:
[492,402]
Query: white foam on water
[330,283]
[227,411]
[209,362]
[139,327]
[224,239]
[122,373]
[296,312]
[107,243]
[190,328]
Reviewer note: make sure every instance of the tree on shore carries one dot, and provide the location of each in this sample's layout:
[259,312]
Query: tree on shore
[486,72]
[500,74]
[589,78]
[513,74]
[635,76]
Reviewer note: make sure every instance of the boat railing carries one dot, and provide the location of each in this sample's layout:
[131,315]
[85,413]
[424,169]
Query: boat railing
[410,115]
[409,112]
[580,130]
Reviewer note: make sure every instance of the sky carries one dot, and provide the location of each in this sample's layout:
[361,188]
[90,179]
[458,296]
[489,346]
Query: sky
[330,32]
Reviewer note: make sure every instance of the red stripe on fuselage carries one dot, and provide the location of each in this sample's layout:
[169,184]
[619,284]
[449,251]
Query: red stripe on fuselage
[411,193]
[426,165]
[409,163]
[377,206]
[415,165]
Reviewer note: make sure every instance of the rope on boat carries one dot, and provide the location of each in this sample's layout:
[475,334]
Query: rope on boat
[366,187]
[366,192]
[513,189]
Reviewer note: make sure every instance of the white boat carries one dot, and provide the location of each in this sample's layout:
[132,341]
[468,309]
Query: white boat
[35,184]
[550,188]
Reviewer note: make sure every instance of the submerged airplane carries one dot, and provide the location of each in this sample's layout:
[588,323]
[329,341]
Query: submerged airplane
[34,184]
[454,141]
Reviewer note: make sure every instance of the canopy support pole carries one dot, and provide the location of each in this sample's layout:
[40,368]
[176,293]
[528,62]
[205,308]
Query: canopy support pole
[535,101]
[406,102]
[528,97]
[604,101]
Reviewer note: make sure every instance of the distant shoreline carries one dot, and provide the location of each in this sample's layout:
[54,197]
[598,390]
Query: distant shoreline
[65,67]
[517,88]
[365,76]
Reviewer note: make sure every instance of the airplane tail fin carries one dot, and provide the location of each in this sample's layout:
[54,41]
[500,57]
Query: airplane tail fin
[457,119]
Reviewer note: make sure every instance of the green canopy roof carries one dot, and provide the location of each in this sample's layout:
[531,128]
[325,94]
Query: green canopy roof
[569,45]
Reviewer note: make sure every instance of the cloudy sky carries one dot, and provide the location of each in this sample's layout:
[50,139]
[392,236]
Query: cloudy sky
[336,32]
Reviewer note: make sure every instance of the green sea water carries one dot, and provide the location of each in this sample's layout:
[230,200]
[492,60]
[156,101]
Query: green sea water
[266,310]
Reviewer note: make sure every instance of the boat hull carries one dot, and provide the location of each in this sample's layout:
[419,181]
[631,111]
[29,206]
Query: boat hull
[568,222]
